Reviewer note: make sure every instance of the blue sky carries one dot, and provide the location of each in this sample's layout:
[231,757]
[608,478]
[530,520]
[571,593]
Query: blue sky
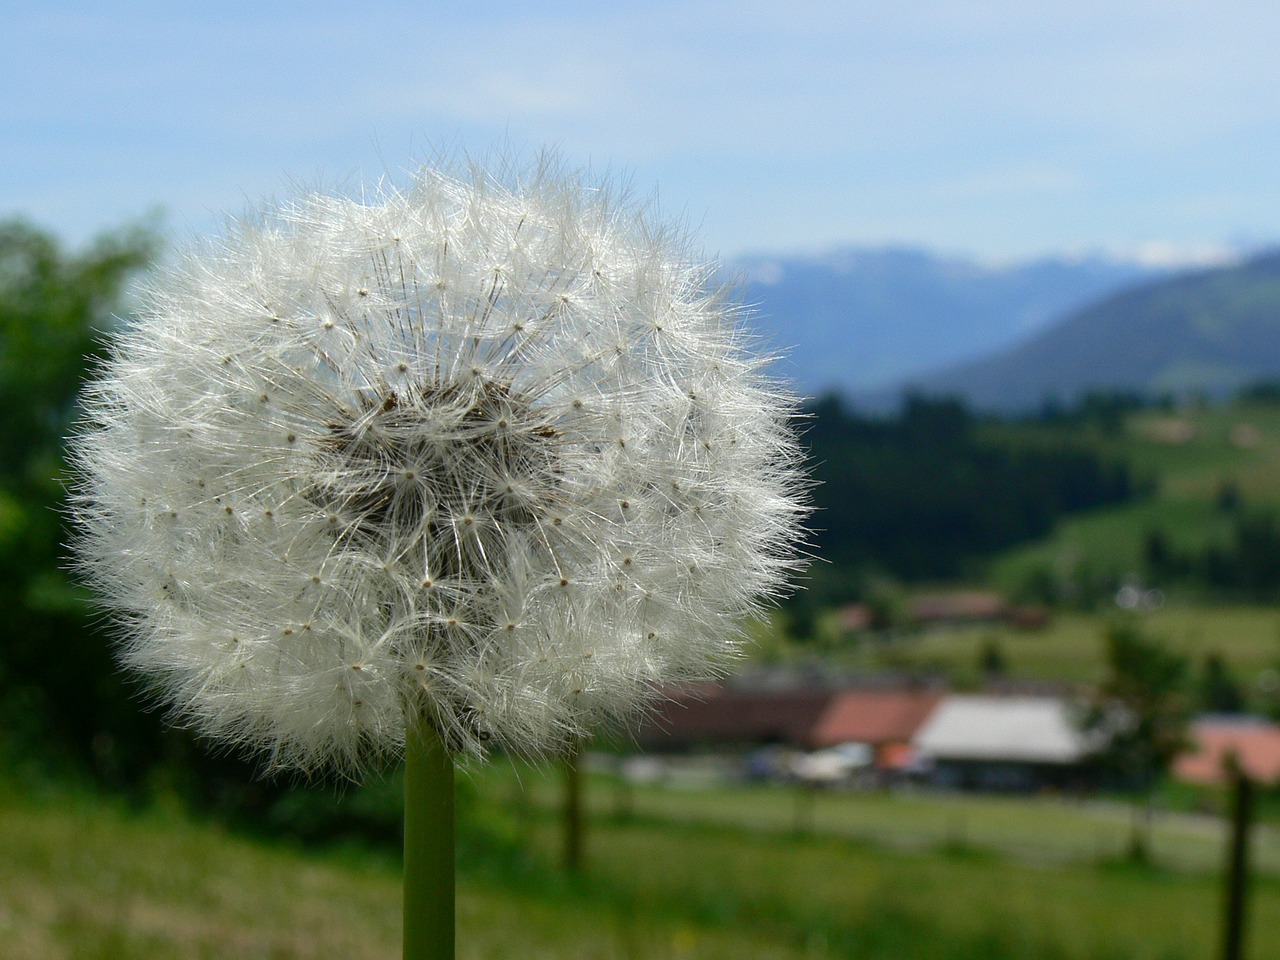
[999,129]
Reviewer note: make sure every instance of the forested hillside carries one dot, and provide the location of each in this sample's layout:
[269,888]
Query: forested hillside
[926,493]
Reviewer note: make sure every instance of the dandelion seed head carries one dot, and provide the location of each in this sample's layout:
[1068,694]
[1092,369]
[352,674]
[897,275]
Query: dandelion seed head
[491,451]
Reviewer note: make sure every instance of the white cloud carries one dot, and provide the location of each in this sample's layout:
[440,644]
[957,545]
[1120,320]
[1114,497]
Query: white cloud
[1158,253]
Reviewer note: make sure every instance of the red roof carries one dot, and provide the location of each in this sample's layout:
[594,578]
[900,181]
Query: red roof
[874,716]
[1255,743]
[802,718]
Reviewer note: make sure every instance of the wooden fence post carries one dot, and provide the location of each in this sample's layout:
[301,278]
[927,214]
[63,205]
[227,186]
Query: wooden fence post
[1237,867]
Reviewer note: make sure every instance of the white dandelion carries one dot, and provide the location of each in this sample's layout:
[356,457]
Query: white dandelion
[489,452]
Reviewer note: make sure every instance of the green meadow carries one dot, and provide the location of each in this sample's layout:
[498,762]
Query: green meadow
[1038,830]
[1190,459]
[677,873]
[1072,649]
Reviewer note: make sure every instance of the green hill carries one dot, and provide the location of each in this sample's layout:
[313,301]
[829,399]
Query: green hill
[1211,467]
[1209,332]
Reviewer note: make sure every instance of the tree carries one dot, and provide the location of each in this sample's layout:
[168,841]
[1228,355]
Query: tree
[57,682]
[1217,691]
[1142,709]
[991,659]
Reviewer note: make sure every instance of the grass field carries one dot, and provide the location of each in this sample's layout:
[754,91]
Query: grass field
[688,875]
[1071,647]
[1027,829]
[1192,452]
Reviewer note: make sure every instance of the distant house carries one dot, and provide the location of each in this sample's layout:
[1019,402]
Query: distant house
[882,720]
[713,717]
[1254,742]
[1021,743]
[956,607]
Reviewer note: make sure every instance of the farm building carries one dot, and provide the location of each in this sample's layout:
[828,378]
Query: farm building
[713,717]
[977,742]
[956,607]
[716,718]
[884,720]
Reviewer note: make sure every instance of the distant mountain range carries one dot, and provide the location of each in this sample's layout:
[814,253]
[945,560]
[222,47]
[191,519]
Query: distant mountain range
[1208,331]
[871,319]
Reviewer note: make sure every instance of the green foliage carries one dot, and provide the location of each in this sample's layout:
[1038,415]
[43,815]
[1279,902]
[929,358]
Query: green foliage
[991,659]
[52,306]
[925,494]
[1246,567]
[1103,410]
[1266,391]
[1216,690]
[59,696]
[1143,706]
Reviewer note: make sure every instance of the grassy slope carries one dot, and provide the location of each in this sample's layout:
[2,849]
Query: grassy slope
[1188,475]
[80,881]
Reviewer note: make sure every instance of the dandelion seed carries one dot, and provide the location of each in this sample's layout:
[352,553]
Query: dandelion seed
[476,416]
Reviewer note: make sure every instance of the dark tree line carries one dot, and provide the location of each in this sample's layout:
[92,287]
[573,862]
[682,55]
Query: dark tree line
[58,686]
[922,494]
[1245,567]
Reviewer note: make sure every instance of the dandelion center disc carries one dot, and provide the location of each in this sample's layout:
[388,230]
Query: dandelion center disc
[438,478]
[413,468]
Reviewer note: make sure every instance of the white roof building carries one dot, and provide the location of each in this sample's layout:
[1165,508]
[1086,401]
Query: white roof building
[1021,729]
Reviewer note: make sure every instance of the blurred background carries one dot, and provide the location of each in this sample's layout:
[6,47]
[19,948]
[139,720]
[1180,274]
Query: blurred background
[1024,261]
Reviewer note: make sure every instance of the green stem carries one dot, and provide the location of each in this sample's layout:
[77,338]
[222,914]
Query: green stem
[428,845]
